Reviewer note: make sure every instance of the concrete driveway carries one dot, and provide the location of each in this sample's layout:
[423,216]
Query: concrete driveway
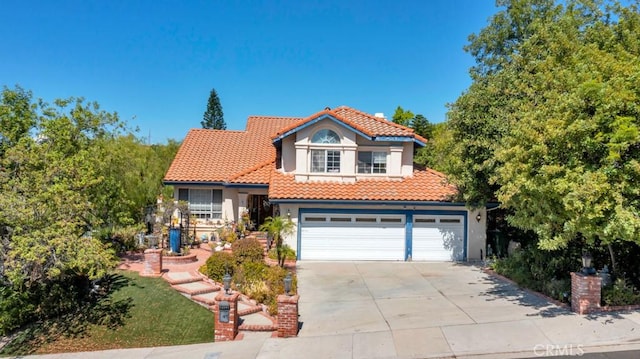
[417,309]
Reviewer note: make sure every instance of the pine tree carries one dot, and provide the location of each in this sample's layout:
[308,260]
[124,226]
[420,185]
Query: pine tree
[213,117]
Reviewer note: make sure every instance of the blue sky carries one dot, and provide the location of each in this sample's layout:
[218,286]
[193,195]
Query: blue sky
[154,62]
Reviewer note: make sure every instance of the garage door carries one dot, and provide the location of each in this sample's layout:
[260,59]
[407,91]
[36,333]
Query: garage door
[438,238]
[352,237]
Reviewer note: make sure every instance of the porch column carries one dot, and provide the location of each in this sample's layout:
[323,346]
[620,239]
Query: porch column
[242,204]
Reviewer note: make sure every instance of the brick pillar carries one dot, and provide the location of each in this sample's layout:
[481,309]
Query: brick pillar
[585,293]
[152,263]
[226,331]
[287,315]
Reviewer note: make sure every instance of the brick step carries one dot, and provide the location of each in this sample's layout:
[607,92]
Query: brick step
[196,288]
[176,278]
[257,322]
[208,299]
[249,309]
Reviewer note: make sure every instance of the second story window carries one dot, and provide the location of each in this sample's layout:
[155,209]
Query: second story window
[325,136]
[372,162]
[325,160]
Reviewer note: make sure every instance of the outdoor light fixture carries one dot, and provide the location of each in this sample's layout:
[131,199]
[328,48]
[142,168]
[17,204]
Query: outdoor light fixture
[478,217]
[226,281]
[586,262]
[288,213]
[287,284]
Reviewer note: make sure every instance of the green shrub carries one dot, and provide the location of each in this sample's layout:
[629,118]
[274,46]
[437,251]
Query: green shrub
[248,250]
[287,252]
[274,278]
[539,270]
[249,278]
[620,293]
[218,264]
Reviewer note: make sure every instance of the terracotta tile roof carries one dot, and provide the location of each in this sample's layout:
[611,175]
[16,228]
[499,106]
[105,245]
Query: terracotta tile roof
[220,156]
[424,185]
[259,174]
[247,157]
[368,124]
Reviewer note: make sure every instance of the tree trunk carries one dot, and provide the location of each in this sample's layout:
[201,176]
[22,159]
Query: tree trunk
[613,259]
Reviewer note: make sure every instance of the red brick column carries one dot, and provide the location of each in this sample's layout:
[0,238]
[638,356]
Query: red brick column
[287,315]
[226,331]
[152,263]
[585,293]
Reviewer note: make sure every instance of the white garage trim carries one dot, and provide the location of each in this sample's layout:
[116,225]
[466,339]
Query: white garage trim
[351,236]
[437,237]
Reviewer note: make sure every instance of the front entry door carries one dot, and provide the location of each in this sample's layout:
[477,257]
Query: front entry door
[259,209]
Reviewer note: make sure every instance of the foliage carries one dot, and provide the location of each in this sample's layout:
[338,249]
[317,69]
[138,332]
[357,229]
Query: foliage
[287,252]
[134,312]
[274,278]
[437,152]
[549,126]
[251,276]
[248,250]
[402,117]
[213,117]
[123,239]
[227,234]
[249,279]
[52,188]
[422,126]
[620,293]
[218,265]
[71,297]
[540,270]
[277,227]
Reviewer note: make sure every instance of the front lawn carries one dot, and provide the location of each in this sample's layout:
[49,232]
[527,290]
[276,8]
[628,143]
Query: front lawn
[140,312]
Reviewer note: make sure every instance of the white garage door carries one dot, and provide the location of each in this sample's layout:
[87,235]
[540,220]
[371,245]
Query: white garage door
[352,237]
[438,238]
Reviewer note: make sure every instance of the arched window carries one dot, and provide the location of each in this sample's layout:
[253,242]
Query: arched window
[325,160]
[325,136]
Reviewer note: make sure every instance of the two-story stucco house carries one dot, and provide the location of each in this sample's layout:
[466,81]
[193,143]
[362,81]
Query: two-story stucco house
[346,178]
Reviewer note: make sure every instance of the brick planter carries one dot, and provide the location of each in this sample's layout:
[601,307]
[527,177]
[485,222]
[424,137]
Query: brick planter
[189,258]
[585,293]
[288,315]
[152,263]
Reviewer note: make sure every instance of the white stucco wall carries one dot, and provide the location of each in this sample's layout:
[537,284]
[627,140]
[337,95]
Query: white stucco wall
[296,154]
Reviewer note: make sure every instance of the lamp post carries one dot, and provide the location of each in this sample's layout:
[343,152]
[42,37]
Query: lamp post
[586,263]
[226,281]
[287,284]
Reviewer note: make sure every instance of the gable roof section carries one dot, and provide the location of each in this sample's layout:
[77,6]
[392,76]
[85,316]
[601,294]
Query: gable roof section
[368,126]
[425,185]
[210,156]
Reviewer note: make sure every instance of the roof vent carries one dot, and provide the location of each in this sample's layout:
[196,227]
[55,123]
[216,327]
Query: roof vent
[379,115]
[327,108]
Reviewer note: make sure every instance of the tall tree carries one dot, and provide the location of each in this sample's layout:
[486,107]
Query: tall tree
[422,126]
[213,117]
[49,178]
[552,130]
[483,114]
[402,117]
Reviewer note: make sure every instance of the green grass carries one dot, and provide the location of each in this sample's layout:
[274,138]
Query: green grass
[141,312]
